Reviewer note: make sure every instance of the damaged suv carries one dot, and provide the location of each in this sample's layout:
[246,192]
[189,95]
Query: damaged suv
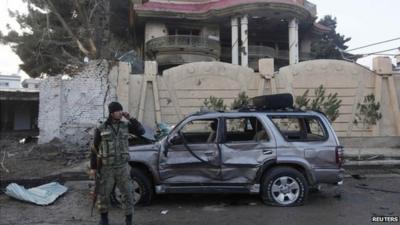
[279,154]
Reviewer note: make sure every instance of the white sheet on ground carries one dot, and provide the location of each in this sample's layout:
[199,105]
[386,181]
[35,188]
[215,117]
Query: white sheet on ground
[41,195]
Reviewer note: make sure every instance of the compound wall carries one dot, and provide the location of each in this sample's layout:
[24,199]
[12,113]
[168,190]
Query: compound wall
[70,108]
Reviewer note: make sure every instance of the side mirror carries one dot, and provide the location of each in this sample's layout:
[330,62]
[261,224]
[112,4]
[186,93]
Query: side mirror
[175,139]
[172,140]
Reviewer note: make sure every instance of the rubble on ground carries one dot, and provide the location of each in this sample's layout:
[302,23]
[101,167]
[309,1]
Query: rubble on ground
[29,160]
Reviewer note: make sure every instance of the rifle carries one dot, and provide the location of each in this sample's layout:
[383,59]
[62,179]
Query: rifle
[96,180]
[96,190]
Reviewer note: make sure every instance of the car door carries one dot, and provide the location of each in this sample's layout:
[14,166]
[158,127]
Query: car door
[193,156]
[247,144]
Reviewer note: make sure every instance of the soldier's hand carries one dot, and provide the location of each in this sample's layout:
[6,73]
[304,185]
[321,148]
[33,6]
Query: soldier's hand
[126,115]
[92,174]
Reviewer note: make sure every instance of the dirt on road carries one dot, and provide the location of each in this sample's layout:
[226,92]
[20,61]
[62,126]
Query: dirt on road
[359,202]
[362,197]
[31,160]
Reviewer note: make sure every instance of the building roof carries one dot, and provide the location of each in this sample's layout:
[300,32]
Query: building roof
[31,81]
[20,94]
[10,77]
[320,28]
[204,10]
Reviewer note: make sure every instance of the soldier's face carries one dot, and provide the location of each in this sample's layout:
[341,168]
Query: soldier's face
[116,115]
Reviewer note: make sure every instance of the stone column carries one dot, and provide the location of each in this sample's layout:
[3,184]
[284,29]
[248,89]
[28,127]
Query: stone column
[293,41]
[383,66]
[235,40]
[149,104]
[245,43]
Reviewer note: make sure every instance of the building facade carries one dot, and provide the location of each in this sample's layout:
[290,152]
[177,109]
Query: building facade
[235,31]
[19,107]
[32,84]
[10,81]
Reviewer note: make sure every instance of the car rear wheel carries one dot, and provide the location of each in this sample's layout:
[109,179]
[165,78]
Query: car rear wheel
[284,186]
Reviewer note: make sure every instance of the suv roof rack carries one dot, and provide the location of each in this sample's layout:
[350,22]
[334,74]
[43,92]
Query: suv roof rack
[255,109]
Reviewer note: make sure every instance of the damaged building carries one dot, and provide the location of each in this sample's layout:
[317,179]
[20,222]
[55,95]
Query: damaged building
[237,32]
[19,107]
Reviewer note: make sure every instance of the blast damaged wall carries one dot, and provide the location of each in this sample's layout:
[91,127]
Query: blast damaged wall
[70,108]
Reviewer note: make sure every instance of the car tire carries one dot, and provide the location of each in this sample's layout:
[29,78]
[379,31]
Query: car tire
[143,191]
[284,186]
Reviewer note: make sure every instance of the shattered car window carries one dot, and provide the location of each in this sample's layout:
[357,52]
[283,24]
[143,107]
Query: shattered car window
[245,129]
[300,129]
[200,131]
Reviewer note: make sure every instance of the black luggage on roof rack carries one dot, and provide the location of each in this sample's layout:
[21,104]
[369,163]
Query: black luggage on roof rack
[273,102]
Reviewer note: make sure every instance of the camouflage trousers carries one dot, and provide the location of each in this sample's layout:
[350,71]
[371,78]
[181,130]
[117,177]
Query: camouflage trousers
[120,177]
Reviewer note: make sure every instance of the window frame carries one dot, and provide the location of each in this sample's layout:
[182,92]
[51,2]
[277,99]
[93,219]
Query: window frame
[324,128]
[224,131]
[184,123]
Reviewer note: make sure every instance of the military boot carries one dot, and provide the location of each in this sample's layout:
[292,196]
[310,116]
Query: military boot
[128,219]
[104,219]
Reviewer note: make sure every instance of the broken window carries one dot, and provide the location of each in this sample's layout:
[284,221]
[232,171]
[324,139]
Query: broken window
[245,129]
[300,128]
[200,131]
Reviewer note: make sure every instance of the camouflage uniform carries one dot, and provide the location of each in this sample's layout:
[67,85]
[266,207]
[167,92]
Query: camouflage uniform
[111,144]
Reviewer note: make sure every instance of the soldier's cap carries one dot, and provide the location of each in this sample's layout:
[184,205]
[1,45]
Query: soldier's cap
[114,107]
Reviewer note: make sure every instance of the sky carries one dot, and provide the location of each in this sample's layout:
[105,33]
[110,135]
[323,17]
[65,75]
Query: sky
[365,21]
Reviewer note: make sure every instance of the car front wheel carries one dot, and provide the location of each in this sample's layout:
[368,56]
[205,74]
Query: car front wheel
[143,192]
[284,186]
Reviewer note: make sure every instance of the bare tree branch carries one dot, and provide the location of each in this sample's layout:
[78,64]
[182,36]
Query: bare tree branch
[93,10]
[75,59]
[68,29]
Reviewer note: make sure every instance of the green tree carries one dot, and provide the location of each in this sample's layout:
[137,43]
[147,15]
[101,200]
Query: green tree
[328,104]
[330,44]
[241,101]
[214,104]
[368,112]
[60,33]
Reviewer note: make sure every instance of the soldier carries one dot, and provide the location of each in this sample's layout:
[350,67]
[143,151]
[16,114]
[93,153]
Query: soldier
[109,160]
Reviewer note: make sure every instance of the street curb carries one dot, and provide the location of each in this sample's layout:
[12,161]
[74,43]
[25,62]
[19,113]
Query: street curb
[388,162]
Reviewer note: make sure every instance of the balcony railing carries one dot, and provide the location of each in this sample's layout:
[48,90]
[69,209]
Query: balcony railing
[284,54]
[261,52]
[256,52]
[185,43]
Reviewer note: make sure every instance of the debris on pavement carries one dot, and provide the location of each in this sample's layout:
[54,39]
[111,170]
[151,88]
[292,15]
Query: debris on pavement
[358,176]
[41,195]
[164,212]
[38,160]
[28,139]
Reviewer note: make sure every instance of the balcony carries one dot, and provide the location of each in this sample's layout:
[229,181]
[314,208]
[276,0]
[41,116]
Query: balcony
[284,55]
[179,49]
[257,52]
